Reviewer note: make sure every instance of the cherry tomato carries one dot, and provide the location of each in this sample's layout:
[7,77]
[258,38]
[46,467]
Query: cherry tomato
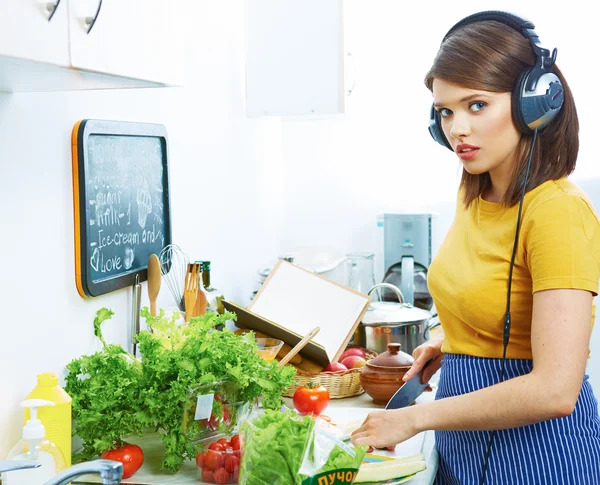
[221,475]
[213,460]
[131,456]
[231,462]
[207,475]
[224,442]
[216,446]
[311,399]
[200,459]
[236,445]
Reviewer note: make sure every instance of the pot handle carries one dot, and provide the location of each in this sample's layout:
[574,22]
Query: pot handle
[434,321]
[389,286]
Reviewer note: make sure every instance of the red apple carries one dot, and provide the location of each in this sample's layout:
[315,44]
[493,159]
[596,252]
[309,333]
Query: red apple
[349,352]
[335,367]
[354,362]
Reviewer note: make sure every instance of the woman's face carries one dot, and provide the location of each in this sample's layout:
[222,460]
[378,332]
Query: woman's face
[478,124]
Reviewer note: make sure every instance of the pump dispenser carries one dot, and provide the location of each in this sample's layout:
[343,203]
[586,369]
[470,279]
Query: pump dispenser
[35,447]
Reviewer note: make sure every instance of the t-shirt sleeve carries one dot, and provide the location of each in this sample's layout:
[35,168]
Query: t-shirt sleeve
[562,244]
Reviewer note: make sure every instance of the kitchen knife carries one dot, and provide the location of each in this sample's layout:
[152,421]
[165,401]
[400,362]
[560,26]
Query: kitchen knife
[409,391]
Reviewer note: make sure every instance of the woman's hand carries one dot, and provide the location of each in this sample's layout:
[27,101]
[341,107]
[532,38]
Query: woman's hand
[430,350]
[386,428]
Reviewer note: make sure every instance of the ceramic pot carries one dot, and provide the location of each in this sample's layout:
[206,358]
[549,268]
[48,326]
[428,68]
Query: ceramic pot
[382,376]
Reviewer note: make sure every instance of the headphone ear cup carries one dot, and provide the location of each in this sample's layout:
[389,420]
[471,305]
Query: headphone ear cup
[517,102]
[435,129]
[536,109]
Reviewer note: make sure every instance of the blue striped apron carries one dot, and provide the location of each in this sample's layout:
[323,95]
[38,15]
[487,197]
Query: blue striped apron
[559,451]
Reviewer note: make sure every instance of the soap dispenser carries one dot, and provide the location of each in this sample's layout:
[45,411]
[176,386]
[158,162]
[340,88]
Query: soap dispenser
[34,447]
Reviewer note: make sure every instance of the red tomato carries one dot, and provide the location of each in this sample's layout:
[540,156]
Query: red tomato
[221,475]
[213,460]
[311,399]
[200,459]
[235,445]
[131,456]
[234,438]
[216,446]
[231,462]
[207,475]
[235,477]
[224,442]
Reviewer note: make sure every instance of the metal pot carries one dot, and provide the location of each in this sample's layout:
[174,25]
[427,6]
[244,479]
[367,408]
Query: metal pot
[386,322]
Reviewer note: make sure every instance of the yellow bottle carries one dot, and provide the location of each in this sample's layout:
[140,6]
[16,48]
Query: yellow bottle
[56,419]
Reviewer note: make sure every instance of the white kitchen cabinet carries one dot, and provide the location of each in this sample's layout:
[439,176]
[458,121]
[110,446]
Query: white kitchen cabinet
[294,58]
[26,33]
[138,39]
[132,43]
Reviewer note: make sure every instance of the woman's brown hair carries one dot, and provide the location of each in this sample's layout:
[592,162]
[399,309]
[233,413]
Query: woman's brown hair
[490,56]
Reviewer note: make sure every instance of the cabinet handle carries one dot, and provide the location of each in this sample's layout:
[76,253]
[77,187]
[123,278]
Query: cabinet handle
[91,21]
[51,7]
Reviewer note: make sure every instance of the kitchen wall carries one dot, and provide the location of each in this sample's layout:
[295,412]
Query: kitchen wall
[243,190]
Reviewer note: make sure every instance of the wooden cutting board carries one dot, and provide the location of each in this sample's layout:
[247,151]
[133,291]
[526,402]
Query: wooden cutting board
[150,473]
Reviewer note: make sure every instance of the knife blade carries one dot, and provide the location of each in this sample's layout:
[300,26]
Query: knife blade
[409,391]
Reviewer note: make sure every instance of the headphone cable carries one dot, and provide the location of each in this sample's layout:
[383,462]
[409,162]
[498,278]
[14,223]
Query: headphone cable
[506,334]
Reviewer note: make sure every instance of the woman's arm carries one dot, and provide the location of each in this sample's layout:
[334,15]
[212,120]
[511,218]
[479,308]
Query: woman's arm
[560,337]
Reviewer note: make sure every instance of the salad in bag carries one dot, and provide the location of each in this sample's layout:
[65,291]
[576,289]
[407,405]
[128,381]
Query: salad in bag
[283,448]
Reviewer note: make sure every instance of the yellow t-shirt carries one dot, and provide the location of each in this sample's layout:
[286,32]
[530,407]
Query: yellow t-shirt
[559,247]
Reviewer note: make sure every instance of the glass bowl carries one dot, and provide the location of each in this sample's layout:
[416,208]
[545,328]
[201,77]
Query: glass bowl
[268,348]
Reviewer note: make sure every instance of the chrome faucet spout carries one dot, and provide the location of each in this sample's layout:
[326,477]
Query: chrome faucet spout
[110,472]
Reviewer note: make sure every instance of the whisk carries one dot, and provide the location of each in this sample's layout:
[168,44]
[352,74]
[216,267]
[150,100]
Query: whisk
[173,266]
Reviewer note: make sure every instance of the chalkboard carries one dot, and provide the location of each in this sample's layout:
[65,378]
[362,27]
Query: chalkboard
[121,200]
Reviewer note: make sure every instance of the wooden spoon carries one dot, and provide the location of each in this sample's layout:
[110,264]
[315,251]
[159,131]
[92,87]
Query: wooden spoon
[299,346]
[154,277]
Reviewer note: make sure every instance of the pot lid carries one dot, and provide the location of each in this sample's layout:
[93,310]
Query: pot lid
[394,357]
[383,312]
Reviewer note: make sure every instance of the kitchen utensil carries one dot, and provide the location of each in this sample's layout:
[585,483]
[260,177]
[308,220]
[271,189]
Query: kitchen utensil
[154,278]
[135,316]
[386,322]
[174,267]
[382,376]
[299,346]
[410,391]
[395,276]
[191,290]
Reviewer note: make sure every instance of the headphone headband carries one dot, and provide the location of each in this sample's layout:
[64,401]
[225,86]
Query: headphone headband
[524,26]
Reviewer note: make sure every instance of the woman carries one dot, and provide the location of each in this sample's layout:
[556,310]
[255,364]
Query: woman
[543,408]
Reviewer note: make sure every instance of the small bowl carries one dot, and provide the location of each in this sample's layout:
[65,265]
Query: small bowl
[268,348]
[382,376]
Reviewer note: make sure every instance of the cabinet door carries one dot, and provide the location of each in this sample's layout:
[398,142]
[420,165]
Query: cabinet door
[139,39]
[26,33]
[295,59]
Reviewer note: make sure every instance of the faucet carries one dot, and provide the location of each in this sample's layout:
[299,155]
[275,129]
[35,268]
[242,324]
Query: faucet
[110,472]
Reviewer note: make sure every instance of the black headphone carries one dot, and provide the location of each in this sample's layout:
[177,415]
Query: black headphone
[538,94]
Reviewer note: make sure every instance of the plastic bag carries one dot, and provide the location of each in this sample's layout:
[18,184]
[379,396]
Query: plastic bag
[283,448]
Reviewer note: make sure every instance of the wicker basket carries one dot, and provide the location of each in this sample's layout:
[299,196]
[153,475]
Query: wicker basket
[339,384]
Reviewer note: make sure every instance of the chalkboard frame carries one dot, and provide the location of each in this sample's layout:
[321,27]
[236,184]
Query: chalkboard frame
[82,130]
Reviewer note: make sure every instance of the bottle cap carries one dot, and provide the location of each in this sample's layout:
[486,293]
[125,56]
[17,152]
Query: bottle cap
[47,379]
[34,429]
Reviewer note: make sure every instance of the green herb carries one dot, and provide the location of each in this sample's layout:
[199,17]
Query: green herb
[178,358]
[104,389]
[115,395]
